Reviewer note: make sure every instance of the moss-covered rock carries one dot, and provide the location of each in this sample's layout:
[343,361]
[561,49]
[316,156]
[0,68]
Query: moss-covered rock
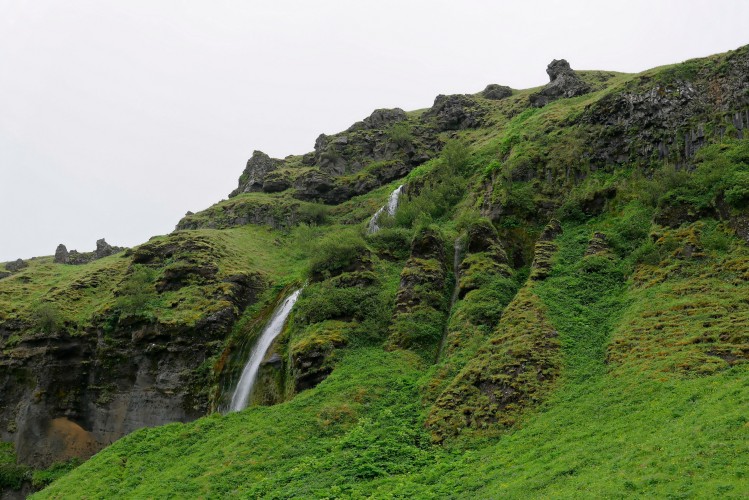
[515,369]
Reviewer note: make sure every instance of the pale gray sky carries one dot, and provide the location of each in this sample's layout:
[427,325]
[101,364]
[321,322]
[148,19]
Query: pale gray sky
[116,117]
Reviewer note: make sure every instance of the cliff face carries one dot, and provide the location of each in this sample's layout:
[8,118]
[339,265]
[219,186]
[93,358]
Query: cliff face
[645,173]
[69,388]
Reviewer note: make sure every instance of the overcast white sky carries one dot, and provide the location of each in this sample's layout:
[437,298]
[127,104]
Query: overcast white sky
[116,117]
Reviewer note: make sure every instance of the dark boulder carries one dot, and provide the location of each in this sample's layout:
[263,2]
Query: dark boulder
[455,112]
[61,254]
[16,265]
[564,83]
[496,92]
[104,249]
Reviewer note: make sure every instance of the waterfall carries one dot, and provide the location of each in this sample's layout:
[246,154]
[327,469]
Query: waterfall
[391,207]
[458,248]
[249,374]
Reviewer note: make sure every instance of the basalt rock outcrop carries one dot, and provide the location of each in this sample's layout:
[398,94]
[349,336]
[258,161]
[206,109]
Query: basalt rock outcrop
[253,178]
[564,84]
[103,249]
[496,92]
[672,115]
[455,112]
[374,151]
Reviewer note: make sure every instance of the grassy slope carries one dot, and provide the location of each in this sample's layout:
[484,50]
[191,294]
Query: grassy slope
[604,433]
[615,426]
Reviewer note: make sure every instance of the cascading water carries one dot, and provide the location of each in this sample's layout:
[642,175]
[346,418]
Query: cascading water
[249,374]
[391,207]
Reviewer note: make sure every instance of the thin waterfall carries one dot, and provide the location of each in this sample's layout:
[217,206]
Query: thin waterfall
[391,207]
[274,326]
[458,248]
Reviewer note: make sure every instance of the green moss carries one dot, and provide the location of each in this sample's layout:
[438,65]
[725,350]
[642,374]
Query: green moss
[515,369]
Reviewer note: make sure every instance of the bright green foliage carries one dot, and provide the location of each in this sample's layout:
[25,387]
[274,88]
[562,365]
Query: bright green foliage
[615,367]
[47,317]
[12,475]
[137,294]
[400,133]
[336,253]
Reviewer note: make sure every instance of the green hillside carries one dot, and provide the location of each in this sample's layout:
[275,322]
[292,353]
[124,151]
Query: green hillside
[559,307]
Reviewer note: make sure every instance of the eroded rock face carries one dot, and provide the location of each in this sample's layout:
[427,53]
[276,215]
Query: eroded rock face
[70,392]
[253,177]
[564,83]
[544,251]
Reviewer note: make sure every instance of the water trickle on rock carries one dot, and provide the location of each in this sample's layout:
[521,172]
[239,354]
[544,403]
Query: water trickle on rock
[391,207]
[274,326]
[457,257]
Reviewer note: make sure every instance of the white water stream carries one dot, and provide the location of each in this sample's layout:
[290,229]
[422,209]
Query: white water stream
[391,207]
[274,326]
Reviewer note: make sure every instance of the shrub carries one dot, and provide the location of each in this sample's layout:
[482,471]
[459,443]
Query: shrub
[630,228]
[137,293]
[394,241]
[400,134]
[313,214]
[455,155]
[738,194]
[47,317]
[336,253]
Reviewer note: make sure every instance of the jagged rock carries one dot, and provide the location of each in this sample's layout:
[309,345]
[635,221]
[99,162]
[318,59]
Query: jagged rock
[380,119]
[485,257]
[564,83]
[496,92]
[61,254]
[312,185]
[16,265]
[422,297]
[103,249]
[258,166]
[455,112]
[4,274]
